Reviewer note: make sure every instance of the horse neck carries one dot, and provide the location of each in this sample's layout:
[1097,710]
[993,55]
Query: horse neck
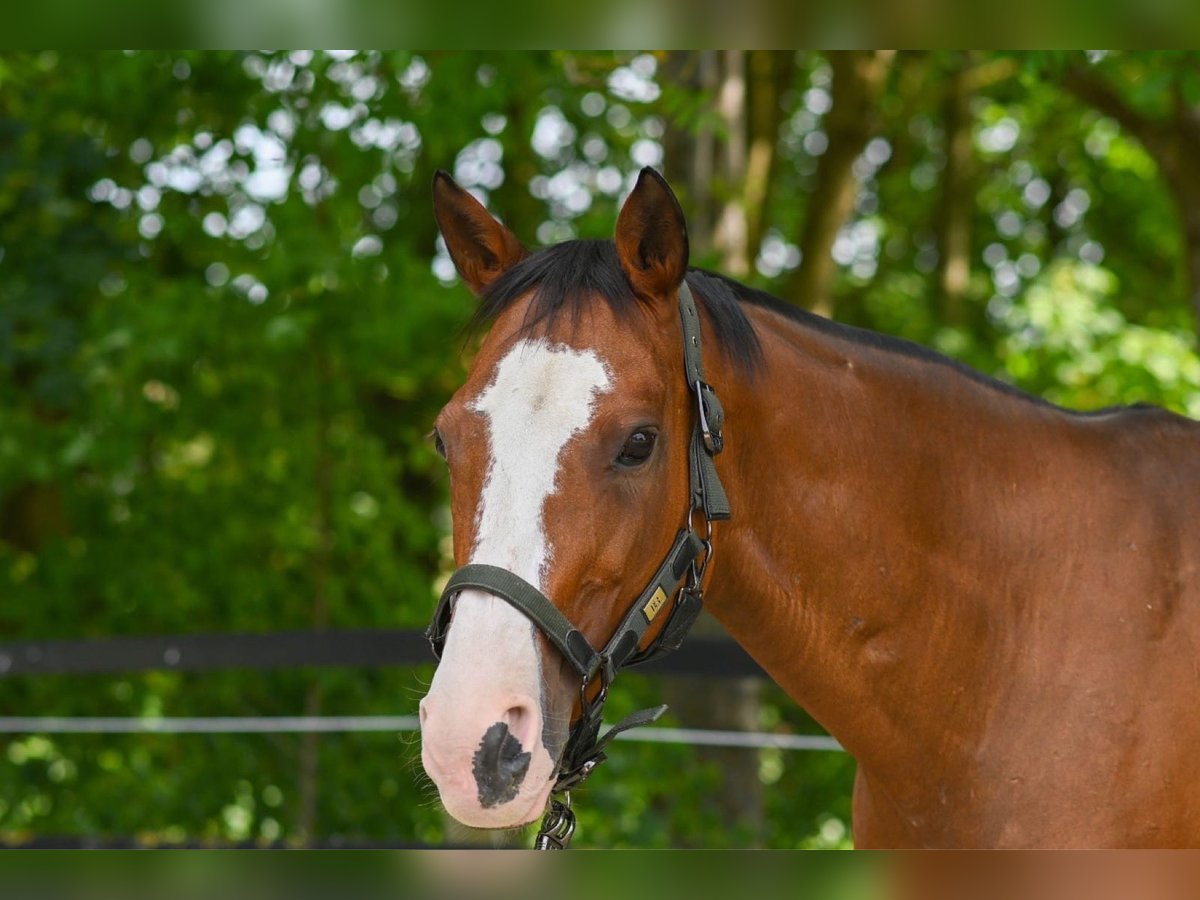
[860,568]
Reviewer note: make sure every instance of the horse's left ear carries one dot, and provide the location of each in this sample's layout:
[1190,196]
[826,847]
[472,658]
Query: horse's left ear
[651,238]
[482,249]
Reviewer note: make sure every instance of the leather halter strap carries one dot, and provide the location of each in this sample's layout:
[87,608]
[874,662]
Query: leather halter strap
[584,749]
[708,494]
[558,628]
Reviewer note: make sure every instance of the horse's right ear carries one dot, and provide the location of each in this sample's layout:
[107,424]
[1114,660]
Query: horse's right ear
[482,249]
[651,238]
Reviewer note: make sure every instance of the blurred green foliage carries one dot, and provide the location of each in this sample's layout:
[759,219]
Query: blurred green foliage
[226,326]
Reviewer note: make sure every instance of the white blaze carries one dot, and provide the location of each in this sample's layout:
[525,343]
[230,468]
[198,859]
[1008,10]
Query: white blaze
[540,397]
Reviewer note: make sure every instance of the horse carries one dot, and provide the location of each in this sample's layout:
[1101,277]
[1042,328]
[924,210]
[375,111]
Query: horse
[992,602]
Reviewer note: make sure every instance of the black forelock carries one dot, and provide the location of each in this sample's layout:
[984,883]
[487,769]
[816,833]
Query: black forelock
[567,277]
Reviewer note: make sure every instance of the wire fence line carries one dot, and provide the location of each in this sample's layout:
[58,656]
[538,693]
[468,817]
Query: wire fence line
[749,740]
[705,657]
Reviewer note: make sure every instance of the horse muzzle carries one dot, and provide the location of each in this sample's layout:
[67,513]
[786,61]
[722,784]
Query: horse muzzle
[489,764]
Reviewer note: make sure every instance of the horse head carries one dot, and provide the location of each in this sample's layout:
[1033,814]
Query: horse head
[567,448]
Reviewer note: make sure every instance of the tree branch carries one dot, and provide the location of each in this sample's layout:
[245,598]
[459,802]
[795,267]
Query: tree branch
[989,74]
[1093,90]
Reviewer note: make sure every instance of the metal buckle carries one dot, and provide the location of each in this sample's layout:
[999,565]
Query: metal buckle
[586,708]
[558,826]
[713,441]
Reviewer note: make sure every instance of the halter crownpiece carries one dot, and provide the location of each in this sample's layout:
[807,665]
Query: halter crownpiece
[680,576]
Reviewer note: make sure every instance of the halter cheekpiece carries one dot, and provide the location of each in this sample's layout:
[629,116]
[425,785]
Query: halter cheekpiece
[681,576]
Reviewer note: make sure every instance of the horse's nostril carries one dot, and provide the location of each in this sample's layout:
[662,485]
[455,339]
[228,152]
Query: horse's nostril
[500,765]
[520,722]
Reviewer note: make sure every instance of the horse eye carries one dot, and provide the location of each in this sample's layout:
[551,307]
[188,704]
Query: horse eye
[438,444]
[637,448]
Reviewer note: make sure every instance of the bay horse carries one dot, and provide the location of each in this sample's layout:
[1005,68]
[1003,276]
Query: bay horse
[993,603]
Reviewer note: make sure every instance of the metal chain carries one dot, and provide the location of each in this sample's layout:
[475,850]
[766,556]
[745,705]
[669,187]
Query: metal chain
[558,825]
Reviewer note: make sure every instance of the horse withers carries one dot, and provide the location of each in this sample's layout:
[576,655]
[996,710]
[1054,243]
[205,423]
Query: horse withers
[992,602]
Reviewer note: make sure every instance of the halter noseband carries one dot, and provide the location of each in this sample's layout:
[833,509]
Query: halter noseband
[585,747]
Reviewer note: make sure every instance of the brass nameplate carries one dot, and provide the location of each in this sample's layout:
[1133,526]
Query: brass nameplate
[654,604]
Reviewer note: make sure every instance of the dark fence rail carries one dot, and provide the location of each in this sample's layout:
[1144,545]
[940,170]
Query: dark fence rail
[699,656]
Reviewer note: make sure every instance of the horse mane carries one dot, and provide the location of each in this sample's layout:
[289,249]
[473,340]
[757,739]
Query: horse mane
[564,279]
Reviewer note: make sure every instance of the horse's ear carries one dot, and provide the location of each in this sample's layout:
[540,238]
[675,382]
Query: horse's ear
[482,249]
[651,238]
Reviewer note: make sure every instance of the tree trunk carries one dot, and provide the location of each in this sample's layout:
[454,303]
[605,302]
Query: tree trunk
[726,705]
[953,222]
[690,161]
[731,235]
[1174,142]
[749,101]
[858,80]
[1178,158]
[31,514]
[770,74]
[1189,203]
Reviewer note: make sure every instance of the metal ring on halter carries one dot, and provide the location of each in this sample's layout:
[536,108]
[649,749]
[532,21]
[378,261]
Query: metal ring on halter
[586,706]
[699,568]
[709,551]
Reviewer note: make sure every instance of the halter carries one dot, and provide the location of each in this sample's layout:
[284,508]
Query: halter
[585,746]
